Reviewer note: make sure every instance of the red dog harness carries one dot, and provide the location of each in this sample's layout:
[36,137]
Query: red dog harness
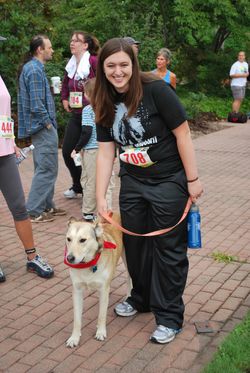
[93,262]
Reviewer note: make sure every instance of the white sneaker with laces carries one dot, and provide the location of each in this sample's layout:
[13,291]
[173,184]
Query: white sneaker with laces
[163,334]
[125,309]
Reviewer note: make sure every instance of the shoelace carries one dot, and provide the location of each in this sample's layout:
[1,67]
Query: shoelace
[44,262]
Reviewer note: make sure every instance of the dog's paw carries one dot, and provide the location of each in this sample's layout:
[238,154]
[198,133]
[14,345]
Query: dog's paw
[72,341]
[101,334]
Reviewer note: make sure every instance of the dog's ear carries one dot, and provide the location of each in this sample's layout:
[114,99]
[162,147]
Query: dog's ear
[99,235]
[98,230]
[71,220]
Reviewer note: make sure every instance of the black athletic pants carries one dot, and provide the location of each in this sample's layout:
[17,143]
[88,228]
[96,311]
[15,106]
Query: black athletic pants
[158,266]
[71,138]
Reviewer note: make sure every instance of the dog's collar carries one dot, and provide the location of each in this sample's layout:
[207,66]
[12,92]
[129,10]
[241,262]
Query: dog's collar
[93,262]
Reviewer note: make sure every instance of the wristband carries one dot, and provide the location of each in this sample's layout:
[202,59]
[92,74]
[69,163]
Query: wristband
[193,180]
[30,251]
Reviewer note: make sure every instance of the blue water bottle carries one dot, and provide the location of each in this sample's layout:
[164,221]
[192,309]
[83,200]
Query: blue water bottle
[194,227]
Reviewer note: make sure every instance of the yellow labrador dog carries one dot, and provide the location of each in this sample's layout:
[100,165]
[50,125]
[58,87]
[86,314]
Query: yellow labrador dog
[92,252]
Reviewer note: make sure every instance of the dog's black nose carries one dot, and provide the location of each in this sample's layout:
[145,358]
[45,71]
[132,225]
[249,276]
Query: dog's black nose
[70,258]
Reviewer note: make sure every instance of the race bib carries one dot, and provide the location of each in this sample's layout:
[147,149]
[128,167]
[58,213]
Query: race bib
[6,127]
[137,157]
[75,100]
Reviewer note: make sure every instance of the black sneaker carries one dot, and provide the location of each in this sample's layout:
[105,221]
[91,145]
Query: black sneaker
[40,266]
[2,275]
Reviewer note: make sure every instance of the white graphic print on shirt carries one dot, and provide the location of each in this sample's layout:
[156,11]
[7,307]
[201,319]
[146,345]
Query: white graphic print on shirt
[130,133]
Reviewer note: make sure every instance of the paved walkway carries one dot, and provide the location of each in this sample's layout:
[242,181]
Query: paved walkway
[36,315]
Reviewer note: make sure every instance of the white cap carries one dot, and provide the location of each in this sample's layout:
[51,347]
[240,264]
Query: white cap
[32,147]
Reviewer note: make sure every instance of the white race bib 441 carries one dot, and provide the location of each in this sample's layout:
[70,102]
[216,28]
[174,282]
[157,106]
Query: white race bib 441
[6,127]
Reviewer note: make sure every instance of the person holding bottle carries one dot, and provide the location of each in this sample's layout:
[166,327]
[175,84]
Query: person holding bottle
[89,146]
[12,190]
[37,118]
[81,67]
[143,116]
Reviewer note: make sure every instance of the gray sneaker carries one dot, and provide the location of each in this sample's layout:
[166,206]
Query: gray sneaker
[125,309]
[162,334]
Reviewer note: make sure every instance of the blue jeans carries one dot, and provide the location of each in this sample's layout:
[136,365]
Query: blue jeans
[45,157]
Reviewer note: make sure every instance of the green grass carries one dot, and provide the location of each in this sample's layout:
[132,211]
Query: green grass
[223,258]
[233,356]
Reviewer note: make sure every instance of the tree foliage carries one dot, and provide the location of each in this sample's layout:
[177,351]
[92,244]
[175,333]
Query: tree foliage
[204,36]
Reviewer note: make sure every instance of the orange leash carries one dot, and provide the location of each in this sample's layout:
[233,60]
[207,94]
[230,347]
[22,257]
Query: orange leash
[109,219]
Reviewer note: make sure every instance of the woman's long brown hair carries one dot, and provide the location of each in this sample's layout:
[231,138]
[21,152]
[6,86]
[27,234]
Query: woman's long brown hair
[104,93]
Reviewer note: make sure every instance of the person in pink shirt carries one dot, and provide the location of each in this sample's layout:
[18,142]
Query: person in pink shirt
[12,190]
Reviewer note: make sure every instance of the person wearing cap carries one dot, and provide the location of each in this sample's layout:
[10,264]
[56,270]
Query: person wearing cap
[163,59]
[11,187]
[134,44]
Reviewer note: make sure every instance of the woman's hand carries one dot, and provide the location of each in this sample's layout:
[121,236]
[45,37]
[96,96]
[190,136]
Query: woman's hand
[195,190]
[66,106]
[102,207]
[17,151]
[187,154]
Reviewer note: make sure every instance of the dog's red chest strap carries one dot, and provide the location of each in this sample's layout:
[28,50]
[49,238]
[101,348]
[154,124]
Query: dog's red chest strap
[93,262]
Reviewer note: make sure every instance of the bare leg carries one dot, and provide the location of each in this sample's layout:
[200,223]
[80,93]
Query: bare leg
[110,190]
[236,105]
[24,231]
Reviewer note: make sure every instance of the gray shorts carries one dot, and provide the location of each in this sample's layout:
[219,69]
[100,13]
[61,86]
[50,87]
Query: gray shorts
[238,92]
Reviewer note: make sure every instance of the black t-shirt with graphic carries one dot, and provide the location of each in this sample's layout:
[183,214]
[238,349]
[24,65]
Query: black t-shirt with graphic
[150,129]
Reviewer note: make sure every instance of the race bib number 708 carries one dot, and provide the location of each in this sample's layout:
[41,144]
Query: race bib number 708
[137,157]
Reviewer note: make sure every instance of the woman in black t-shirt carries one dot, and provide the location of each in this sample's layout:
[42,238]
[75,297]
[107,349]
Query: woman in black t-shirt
[144,117]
